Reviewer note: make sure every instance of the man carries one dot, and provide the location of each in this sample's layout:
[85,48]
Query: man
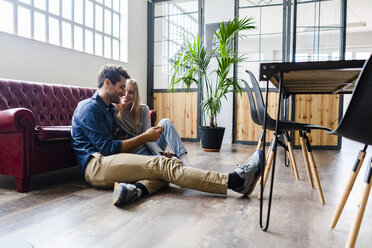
[104,162]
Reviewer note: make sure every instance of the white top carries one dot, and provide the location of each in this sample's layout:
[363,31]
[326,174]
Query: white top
[125,123]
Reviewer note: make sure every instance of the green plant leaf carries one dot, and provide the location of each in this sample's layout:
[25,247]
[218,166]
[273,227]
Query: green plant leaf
[191,66]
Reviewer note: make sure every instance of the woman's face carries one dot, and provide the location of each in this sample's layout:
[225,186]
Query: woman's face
[128,99]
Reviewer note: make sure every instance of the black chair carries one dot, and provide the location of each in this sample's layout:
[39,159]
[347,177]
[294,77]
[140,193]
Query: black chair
[287,146]
[357,125]
[286,126]
[253,110]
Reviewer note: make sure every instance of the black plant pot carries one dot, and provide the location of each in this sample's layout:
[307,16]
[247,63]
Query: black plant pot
[211,138]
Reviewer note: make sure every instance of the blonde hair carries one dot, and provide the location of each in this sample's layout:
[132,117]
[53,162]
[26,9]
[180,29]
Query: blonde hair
[136,106]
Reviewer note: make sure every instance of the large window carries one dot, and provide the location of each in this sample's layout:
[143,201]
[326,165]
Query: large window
[91,26]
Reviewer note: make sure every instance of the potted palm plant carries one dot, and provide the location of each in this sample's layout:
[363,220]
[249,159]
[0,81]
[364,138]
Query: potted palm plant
[192,67]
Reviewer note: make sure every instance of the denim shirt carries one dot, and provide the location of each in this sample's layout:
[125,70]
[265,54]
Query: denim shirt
[93,130]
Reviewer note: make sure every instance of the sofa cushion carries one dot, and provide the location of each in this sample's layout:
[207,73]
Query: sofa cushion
[45,133]
[51,104]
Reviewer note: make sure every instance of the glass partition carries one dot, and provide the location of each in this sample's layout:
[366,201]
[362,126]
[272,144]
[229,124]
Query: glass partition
[318,30]
[171,19]
[359,29]
[264,44]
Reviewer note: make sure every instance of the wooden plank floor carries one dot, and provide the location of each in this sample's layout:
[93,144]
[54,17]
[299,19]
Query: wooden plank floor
[63,211]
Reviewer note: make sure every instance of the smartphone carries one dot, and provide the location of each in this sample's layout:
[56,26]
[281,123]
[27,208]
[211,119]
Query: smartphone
[163,153]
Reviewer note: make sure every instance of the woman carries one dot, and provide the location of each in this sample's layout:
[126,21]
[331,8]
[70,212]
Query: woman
[133,119]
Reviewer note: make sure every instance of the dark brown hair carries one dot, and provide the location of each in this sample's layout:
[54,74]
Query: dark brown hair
[111,72]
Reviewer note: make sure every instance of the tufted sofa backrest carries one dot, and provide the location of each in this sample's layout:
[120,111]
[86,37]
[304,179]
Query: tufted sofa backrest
[52,105]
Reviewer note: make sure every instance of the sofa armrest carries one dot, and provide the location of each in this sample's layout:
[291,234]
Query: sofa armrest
[16,120]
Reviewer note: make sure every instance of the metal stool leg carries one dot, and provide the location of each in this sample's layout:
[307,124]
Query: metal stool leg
[355,226]
[348,187]
[306,159]
[264,228]
[314,170]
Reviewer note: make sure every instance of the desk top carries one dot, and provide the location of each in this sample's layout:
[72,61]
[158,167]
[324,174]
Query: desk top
[323,77]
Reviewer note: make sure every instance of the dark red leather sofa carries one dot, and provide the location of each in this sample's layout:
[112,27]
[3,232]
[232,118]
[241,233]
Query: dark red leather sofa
[35,125]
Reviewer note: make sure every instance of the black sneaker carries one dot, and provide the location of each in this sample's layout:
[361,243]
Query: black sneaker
[250,171]
[125,193]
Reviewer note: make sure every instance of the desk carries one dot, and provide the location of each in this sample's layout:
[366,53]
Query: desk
[324,77]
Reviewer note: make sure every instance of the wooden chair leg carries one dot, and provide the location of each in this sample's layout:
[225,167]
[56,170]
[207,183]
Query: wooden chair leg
[314,171]
[291,155]
[269,161]
[260,142]
[266,157]
[348,187]
[306,159]
[355,226]
[259,145]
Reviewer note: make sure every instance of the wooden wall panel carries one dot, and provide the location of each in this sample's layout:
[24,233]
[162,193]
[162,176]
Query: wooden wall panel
[246,129]
[315,109]
[161,106]
[181,108]
[321,110]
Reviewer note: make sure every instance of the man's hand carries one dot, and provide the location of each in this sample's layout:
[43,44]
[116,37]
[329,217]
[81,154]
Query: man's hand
[153,133]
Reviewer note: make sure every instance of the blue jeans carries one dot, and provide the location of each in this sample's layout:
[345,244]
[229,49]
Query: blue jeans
[168,137]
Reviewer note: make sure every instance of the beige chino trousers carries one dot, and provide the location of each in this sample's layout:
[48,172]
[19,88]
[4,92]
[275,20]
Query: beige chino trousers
[153,172]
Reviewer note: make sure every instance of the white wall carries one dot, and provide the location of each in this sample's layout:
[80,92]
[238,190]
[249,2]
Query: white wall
[218,11]
[26,59]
